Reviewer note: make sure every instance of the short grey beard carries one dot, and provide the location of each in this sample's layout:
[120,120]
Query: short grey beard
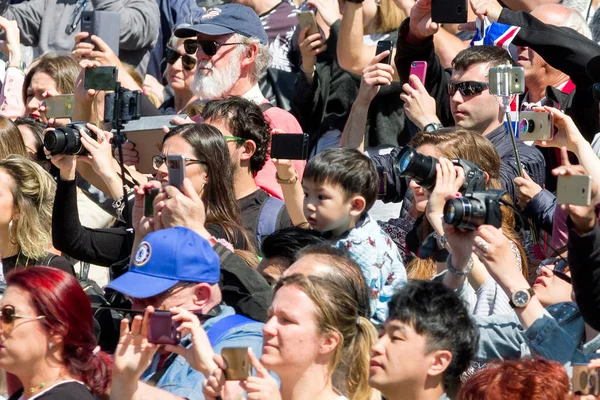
[219,82]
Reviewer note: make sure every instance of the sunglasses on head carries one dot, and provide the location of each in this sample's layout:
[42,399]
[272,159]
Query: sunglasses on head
[560,269]
[8,316]
[469,88]
[187,61]
[209,47]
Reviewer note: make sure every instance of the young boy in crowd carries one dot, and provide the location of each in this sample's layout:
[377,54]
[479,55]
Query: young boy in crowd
[340,186]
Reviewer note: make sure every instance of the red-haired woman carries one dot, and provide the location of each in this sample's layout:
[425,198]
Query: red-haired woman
[532,379]
[47,337]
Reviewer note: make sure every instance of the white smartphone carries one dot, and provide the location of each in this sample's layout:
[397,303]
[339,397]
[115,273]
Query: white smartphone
[574,189]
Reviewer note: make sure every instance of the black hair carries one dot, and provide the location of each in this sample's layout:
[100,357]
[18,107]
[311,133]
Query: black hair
[244,119]
[37,128]
[348,168]
[492,55]
[288,242]
[436,312]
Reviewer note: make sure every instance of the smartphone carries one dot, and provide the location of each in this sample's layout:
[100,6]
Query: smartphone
[574,189]
[307,18]
[382,46]
[104,24]
[100,78]
[536,126]
[382,181]
[419,69]
[506,80]
[289,146]
[150,123]
[449,11]
[149,196]
[60,106]
[238,363]
[176,166]
[584,380]
[162,329]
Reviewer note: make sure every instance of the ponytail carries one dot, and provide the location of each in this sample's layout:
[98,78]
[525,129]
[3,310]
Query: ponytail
[92,367]
[358,354]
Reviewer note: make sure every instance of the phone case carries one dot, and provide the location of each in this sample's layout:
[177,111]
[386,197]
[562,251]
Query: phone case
[535,126]
[100,78]
[584,380]
[238,363]
[449,11]
[307,18]
[176,166]
[382,46]
[497,80]
[104,24]
[60,106]
[289,146]
[162,329]
[574,189]
[419,69]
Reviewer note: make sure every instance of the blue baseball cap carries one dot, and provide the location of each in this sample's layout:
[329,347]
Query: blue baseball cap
[166,257]
[226,19]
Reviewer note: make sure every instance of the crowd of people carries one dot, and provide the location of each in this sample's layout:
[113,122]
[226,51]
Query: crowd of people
[404,241]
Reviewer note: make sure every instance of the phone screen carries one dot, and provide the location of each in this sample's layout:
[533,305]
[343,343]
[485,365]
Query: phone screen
[100,78]
[382,46]
[289,146]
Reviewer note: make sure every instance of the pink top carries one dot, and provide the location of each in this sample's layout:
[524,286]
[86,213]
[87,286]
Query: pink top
[11,97]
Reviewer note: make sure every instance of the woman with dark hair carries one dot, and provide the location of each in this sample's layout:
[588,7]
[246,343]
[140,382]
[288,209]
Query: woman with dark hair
[11,141]
[47,338]
[32,133]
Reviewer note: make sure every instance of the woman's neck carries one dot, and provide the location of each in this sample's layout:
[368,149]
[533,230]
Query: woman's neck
[313,384]
[38,377]
[7,248]
[183,99]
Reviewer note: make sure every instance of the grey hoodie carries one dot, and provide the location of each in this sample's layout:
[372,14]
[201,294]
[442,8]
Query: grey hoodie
[43,22]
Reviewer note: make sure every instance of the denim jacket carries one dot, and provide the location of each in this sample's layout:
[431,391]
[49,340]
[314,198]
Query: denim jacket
[556,335]
[182,380]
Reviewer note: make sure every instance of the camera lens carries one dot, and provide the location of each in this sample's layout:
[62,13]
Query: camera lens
[66,140]
[526,126]
[464,212]
[55,141]
[420,168]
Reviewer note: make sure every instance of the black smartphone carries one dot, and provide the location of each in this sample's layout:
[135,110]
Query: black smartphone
[289,146]
[176,166]
[100,78]
[382,181]
[382,46]
[104,24]
[449,11]
[149,196]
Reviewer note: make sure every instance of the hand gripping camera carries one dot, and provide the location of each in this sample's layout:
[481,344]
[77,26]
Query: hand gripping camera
[421,168]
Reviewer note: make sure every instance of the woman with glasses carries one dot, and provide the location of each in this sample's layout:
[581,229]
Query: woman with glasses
[180,71]
[47,337]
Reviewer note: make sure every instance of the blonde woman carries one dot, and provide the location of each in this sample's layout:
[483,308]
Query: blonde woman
[26,200]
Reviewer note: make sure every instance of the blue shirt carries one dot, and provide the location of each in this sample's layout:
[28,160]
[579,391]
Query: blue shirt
[182,380]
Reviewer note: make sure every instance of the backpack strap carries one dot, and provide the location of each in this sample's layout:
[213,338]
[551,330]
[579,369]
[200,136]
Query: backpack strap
[265,106]
[49,257]
[224,325]
[267,218]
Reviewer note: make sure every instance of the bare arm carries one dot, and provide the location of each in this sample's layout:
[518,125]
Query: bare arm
[293,194]
[447,46]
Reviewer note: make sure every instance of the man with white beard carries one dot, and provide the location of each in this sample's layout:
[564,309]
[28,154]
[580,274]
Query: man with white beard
[231,47]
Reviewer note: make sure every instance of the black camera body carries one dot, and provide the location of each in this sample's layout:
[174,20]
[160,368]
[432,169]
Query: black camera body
[67,140]
[130,105]
[421,168]
[475,209]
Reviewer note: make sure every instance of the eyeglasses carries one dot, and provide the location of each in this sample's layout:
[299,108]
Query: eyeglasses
[8,315]
[560,269]
[187,61]
[209,47]
[234,139]
[159,160]
[469,88]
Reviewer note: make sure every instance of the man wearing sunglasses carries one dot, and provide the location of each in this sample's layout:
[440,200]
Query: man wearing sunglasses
[232,52]
[462,97]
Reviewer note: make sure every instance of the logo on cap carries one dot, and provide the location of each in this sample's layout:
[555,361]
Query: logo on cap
[142,255]
[211,13]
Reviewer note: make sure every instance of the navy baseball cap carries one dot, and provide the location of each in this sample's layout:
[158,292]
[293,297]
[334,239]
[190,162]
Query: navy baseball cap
[226,19]
[166,257]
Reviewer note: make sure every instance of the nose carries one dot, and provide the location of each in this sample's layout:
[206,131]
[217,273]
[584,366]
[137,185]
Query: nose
[269,328]
[309,205]
[457,97]
[33,105]
[163,171]
[378,347]
[414,185]
[547,270]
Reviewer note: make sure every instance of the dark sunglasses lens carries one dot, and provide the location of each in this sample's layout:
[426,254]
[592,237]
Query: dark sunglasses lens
[188,62]
[172,56]
[209,47]
[190,46]
[8,315]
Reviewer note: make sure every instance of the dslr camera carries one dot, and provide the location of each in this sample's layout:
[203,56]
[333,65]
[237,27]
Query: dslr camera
[421,168]
[67,140]
[585,380]
[475,209]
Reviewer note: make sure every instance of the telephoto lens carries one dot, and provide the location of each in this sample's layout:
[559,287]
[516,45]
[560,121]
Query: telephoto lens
[67,140]
[475,209]
[416,166]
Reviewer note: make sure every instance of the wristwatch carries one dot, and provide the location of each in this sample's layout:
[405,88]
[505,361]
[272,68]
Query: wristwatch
[521,298]
[432,127]
[21,66]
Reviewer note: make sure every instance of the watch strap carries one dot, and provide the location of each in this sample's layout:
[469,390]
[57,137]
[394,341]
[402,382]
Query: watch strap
[432,127]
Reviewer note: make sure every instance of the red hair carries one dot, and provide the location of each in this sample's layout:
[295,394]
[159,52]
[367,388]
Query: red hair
[531,379]
[68,311]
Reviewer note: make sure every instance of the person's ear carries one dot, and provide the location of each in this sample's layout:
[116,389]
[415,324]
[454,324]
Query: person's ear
[440,360]
[329,342]
[250,55]
[487,176]
[202,294]
[248,150]
[357,205]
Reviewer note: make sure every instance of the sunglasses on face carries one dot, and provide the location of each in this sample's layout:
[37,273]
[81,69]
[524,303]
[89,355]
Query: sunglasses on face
[209,47]
[187,61]
[560,269]
[469,88]
[8,316]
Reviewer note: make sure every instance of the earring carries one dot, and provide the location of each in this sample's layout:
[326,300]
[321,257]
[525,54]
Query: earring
[50,346]
[10,224]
